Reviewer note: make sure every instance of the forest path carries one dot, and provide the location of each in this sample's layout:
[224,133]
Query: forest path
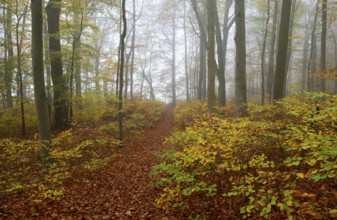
[121,189]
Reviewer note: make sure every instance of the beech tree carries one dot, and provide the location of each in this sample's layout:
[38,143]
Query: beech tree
[121,73]
[38,77]
[59,103]
[240,59]
[323,43]
[199,14]
[8,54]
[271,58]
[281,58]
[211,63]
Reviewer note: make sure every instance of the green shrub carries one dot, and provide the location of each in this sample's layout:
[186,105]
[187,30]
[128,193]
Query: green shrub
[256,167]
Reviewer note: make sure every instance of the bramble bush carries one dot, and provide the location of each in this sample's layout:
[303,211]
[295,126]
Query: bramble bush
[280,162]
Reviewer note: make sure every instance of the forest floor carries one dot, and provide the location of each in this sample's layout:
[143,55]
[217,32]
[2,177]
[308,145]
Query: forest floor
[119,190]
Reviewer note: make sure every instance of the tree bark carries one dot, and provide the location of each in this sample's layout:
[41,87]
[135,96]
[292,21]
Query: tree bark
[202,52]
[305,57]
[59,103]
[121,73]
[133,43]
[173,80]
[19,42]
[9,56]
[38,78]
[271,58]
[211,63]
[290,41]
[186,60]
[323,43]
[313,52]
[263,55]
[240,59]
[281,58]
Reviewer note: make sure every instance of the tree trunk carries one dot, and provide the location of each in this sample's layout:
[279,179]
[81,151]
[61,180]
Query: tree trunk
[121,73]
[281,58]
[9,56]
[335,42]
[271,59]
[48,73]
[133,41]
[202,52]
[38,78]
[173,81]
[240,59]
[225,31]
[305,57]
[312,57]
[211,63]
[19,42]
[323,43]
[221,66]
[186,60]
[289,52]
[59,103]
[263,55]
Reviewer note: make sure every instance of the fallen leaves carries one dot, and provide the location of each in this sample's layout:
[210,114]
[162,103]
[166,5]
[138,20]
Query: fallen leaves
[117,191]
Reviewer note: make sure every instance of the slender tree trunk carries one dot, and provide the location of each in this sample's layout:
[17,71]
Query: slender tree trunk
[225,31]
[97,63]
[128,56]
[38,78]
[312,58]
[186,60]
[48,73]
[263,55]
[220,70]
[78,68]
[173,81]
[240,59]
[335,41]
[133,43]
[121,73]
[202,51]
[19,71]
[9,56]
[281,58]
[313,65]
[323,43]
[271,59]
[305,58]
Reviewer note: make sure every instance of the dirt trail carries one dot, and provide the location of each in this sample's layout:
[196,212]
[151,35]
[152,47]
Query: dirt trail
[118,191]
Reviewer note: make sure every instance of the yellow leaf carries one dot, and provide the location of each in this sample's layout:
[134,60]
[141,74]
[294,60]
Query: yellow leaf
[289,202]
[300,175]
[333,211]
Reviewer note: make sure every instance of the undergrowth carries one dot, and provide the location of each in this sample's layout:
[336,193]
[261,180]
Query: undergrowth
[89,145]
[278,163]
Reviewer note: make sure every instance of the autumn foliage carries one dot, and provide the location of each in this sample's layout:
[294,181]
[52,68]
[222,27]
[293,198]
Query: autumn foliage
[277,163]
[77,152]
